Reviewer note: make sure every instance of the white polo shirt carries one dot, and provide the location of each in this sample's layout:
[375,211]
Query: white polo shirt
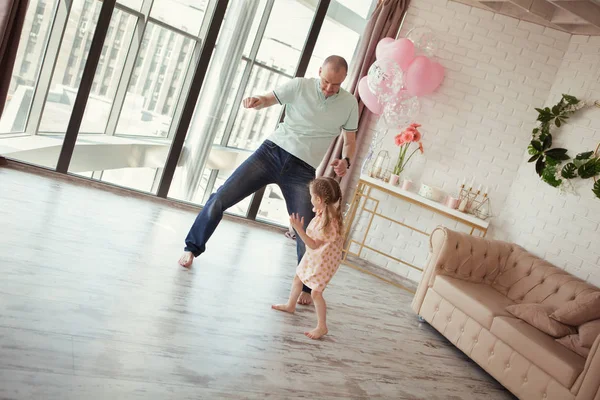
[311,120]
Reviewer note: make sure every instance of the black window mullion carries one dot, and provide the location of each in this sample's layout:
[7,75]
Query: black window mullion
[85,86]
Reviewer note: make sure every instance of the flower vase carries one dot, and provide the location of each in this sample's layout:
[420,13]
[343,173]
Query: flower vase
[394,179]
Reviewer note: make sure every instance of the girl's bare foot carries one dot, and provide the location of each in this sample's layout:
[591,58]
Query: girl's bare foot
[305,299]
[186,259]
[283,307]
[317,333]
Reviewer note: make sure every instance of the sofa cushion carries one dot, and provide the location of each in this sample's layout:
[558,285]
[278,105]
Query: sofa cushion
[478,300]
[538,315]
[573,343]
[539,348]
[525,278]
[588,333]
[580,310]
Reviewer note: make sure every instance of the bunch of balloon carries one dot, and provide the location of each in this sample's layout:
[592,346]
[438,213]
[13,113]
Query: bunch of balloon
[402,73]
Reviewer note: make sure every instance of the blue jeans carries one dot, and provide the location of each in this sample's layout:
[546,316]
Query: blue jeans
[268,164]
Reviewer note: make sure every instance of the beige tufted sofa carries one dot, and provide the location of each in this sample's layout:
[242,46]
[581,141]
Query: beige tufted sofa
[465,289]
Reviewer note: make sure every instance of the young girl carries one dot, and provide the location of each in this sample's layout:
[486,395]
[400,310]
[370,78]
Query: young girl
[323,239]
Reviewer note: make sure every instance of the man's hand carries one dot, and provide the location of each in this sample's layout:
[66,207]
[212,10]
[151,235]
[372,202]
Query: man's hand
[260,102]
[254,102]
[297,222]
[340,167]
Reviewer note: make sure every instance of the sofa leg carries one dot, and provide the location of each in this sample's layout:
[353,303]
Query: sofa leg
[421,319]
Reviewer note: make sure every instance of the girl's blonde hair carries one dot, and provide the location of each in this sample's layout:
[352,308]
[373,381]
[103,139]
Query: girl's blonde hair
[329,191]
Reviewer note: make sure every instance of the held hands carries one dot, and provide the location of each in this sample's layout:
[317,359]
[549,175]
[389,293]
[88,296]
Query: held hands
[340,167]
[297,222]
[254,102]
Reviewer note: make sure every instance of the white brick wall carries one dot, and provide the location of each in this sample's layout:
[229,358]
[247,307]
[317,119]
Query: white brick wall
[478,122]
[565,229]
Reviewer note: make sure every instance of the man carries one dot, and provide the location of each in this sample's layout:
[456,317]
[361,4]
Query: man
[316,111]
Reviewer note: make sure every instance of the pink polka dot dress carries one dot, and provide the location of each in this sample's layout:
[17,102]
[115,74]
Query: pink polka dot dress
[318,266]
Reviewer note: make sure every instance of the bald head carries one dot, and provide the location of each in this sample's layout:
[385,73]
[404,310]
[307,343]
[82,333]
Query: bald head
[332,74]
[336,63]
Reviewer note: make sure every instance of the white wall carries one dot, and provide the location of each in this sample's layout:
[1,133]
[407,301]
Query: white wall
[564,229]
[478,123]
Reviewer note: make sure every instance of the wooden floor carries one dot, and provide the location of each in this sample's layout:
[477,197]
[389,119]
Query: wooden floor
[94,306]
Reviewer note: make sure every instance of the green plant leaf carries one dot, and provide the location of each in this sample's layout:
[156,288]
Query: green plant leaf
[536,130]
[547,142]
[535,157]
[558,154]
[596,189]
[545,115]
[561,157]
[552,161]
[557,122]
[537,145]
[584,156]
[540,165]
[549,176]
[556,110]
[570,99]
[589,169]
[569,171]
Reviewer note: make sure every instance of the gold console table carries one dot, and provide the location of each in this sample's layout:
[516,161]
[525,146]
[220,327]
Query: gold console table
[363,193]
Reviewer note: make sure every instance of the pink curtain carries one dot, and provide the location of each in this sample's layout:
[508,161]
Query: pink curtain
[384,22]
[12,17]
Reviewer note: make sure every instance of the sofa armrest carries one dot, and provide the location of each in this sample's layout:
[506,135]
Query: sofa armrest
[590,380]
[436,242]
[463,256]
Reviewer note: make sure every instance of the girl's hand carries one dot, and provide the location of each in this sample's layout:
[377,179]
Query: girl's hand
[297,222]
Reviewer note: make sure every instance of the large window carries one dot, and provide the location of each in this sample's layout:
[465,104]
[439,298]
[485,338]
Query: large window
[136,145]
[156,83]
[141,82]
[68,69]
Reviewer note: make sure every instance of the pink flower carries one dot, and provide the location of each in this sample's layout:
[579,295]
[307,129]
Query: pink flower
[411,134]
[408,136]
[417,136]
[421,147]
[399,140]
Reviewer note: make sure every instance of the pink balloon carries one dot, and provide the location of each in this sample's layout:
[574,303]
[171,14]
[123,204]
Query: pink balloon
[438,73]
[402,51]
[423,76]
[368,98]
[380,49]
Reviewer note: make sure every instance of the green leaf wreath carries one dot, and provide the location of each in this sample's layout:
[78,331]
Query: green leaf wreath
[549,160]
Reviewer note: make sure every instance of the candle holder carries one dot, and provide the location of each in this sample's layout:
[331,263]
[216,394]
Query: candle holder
[380,167]
[474,202]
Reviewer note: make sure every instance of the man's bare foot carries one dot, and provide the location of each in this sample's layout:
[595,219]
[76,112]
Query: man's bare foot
[305,299]
[186,259]
[283,307]
[317,333]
